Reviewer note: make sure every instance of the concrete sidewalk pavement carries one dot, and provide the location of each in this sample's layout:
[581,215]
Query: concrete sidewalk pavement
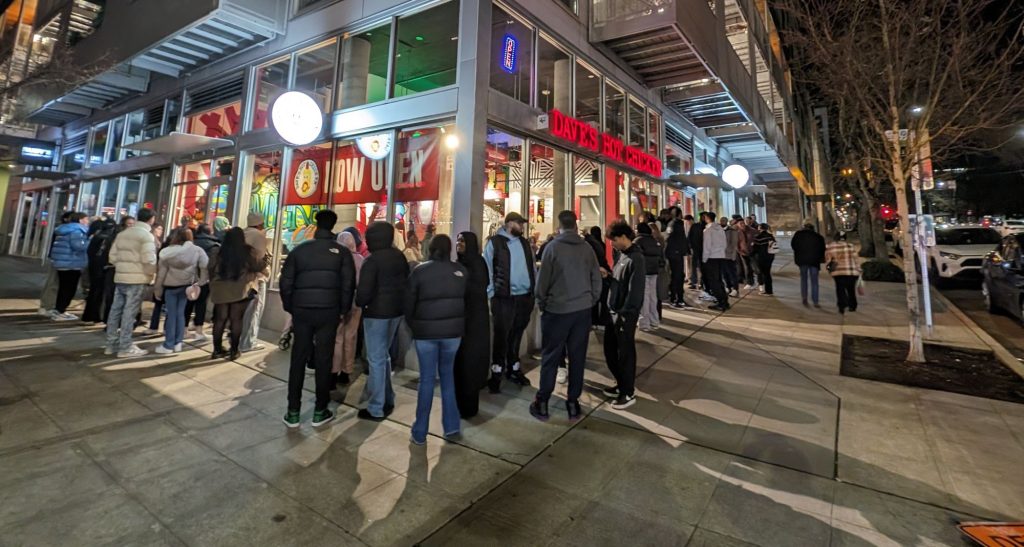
[744,434]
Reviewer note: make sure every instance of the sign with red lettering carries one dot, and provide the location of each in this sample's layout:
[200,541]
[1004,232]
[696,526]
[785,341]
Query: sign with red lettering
[359,179]
[584,135]
[306,182]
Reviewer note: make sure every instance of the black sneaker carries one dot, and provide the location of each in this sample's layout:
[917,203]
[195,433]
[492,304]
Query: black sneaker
[388,409]
[517,377]
[624,401]
[218,354]
[575,413]
[539,410]
[321,417]
[494,384]
[343,379]
[612,391]
[365,414]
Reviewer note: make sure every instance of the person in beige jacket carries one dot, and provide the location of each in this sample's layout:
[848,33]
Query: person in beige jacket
[133,256]
[256,238]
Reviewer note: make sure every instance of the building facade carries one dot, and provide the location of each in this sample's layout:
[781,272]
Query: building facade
[440,115]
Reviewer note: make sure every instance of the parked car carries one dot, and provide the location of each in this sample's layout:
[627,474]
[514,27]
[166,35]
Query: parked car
[959,251]
[1012,226]
[1002,282]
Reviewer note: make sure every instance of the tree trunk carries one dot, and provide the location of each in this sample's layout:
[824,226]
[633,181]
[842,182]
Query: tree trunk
[916,354]
[878,231]
[865,230]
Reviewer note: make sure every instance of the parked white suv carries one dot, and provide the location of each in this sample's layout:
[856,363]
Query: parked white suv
[959,251]
[1012,226]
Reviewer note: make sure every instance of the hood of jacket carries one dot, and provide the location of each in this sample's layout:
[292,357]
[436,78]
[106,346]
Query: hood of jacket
[380,236]
[70,227]
[472,244]
[348,241]
[571,238]
[180,256]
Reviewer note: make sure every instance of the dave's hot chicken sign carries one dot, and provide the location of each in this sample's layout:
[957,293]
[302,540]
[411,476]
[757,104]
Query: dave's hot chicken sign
[584,135]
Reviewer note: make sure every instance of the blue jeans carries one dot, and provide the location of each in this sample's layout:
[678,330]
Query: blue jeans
[809,273]
[378,335]
[121,321]
[437,357]
[174,323]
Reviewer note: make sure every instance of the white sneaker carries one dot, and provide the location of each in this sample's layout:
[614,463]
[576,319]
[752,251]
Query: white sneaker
[108,351]
[133,351]
[199,339]
[163,350]
[150,332]
[64,317]
[747,287]
[760,289]
[563,375]
[177,348]
[43,312]
[734,293]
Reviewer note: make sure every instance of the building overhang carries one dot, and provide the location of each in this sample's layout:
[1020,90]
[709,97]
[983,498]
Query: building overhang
[177,143]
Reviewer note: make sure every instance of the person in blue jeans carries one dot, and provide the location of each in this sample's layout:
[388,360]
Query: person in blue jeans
[808,253]
[381,295]
[181,264]
[435,308]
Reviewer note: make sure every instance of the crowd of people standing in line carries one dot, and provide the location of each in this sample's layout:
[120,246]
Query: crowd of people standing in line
[467,316]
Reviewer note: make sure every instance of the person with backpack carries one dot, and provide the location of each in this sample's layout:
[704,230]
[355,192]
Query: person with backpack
[764,250]
[69,257]
[654,260]
[181,265]
[97,270]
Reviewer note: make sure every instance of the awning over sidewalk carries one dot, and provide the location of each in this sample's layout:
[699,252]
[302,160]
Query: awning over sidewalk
[176,143]
[700,181]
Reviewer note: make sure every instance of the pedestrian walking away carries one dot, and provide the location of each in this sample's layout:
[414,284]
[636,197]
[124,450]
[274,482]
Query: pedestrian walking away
[435,308]
[256,238]
[653,262]
[764,250]
[730,272]
[318,282]
[475,350]
[844,267]
[568,285]
[715,244]
[234,270]
[381,296]
[808,253]
[133,256]
[69,257]
[510,266]
[677,247]
[625,299]
[181,265]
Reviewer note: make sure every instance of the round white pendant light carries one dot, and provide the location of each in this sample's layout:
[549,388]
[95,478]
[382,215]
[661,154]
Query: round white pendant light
[736,176]
[297,118]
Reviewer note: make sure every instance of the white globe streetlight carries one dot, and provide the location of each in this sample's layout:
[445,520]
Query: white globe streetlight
[297,118]
[736,176]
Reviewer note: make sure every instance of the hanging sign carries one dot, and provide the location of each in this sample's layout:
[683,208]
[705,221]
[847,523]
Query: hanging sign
[509,50]
[584,135]
[297,118]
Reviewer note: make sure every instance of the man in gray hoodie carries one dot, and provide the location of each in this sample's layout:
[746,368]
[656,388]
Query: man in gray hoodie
[568,286]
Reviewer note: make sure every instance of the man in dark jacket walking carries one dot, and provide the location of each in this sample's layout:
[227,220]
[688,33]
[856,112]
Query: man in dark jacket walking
[568,286]
[511,267]
[677,246]
[808,253]
[317,285]
[381,295]
[695,237]
[625,299]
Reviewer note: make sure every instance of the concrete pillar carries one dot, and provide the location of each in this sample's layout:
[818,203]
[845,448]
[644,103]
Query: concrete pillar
[355,56]
[471,116]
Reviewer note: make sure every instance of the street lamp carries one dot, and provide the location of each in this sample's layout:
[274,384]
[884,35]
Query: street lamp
[736,176]
[917,110]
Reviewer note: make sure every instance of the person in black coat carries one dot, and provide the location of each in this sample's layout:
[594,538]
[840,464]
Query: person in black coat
[808,253]
[654,259]
[625,300]
[475,350]
[435,308]
[102,231]
[695,237]
[677,247]
[317,285]
[599,315]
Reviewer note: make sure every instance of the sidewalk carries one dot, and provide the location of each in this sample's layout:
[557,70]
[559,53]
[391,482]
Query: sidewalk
[744,434]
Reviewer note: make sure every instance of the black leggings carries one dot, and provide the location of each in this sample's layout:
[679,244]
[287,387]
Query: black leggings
[198,306]
[222,314]
[764,265]
[66,288]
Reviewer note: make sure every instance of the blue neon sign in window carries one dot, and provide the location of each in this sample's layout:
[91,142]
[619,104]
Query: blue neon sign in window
[509,53]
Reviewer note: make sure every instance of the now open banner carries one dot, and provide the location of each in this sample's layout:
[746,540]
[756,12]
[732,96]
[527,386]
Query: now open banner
[359,179]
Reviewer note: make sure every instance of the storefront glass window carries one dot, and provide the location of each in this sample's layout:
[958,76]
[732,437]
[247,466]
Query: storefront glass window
[423,189]
[173,116]
[134,131]
[588,96]
[511,55]
[587,199]
[155,191]
[129,201]
[615,195]
[108,197]
[116,136]
[614,111]
[571,4]
[271,81]
[73,159]
[549,177]
[554,77]
[427,50]
[637,124]
[504,168]
[364,70]
[223,121]
[305,189]
[191,193]
[88,200]
[314,73]
[653,133]
[99,144]
[675,199]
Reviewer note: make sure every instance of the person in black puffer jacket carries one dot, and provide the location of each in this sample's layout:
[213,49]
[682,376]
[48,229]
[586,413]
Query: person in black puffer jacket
[195,310]
[317,284]
[94,309]
[677,247]
[435,310]
[381,295]
[654,260]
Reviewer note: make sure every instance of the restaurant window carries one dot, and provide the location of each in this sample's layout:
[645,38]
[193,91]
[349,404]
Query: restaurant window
[271,81]
[511,55]
[116,136]
[221,122]
[549,174]
[504,181]
[653,133]
[554,77]
[614,111]
[202,191]
[571,5]
[305,189]
[675,199]
[173,117]
[134,131]
[364,70]
[108,197]
[128,203]
[427,50]
[155,192]
[88,194]
[616,205]
[588,96]
[587,195]
[423,186]
[637,124]
[314,73]
[360,180]
[99,144]
[72,160]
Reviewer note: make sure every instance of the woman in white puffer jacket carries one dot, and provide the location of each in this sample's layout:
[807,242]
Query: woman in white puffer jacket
[181,264]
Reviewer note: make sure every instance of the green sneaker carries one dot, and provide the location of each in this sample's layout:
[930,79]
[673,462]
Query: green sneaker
[291,419]
[321,417]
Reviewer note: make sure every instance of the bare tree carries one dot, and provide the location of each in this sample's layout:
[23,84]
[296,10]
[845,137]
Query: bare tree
[62,71]
[941,70]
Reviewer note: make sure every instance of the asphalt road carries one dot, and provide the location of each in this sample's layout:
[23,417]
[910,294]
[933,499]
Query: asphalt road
[1003,327]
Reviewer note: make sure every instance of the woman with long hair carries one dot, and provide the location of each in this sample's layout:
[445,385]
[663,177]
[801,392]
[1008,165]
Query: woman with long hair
[435,309]
[345,341]
[471,361]
[233,272]
[195,310]
[181,264]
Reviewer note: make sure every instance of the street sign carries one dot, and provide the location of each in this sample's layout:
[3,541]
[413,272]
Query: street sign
[995,534]
[924,230]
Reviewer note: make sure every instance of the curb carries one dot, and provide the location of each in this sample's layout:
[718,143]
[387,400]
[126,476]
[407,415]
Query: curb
[1000,351]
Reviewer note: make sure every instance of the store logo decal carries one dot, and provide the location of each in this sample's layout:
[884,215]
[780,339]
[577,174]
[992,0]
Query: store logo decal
[307,179]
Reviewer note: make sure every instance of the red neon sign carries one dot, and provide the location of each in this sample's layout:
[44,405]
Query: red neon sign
[584,135]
